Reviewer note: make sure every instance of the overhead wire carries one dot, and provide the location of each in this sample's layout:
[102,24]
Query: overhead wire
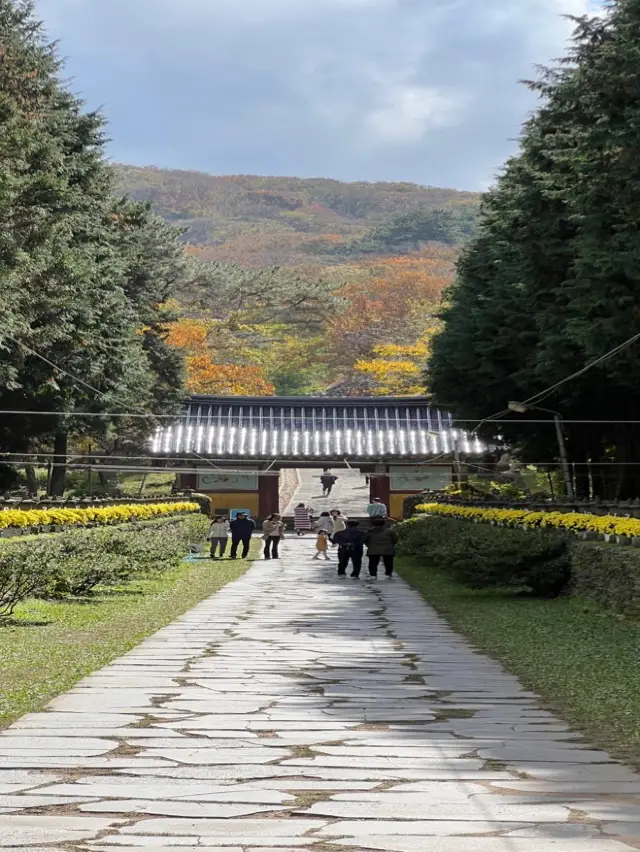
[544,394]
[77,380]
[111,414]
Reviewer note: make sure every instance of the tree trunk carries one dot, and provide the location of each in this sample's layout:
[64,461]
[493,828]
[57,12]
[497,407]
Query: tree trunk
[59,470]
[142,484]
[32,482]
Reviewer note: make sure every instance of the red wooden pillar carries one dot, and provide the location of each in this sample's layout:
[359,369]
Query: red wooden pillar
[268,495]
[189,480]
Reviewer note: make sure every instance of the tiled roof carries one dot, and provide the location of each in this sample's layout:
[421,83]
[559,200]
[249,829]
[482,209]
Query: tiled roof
[313,427]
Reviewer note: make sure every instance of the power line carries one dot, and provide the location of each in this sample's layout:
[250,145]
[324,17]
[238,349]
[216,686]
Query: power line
[519,421]
[100,393]
[97,468]
[75,379]
[542,395]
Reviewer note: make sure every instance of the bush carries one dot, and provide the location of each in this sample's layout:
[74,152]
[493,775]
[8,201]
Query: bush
[73,563]
[104,515]
[607,574]
[24,573]
[576,522]
[482,556]
[204,502]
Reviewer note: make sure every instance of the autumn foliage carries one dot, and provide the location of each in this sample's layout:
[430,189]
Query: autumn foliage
[205,373]
[226,379]
[370,322]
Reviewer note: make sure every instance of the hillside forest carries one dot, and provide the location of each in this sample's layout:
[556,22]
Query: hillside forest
[306,286]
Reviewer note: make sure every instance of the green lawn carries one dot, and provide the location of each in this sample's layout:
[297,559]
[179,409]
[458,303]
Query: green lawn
[48,647]
[583,661]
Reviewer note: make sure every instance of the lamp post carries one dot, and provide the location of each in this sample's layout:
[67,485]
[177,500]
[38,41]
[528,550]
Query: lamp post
[522,408]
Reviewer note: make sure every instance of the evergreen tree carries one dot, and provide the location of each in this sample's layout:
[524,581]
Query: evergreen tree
[550,282]
[85,277]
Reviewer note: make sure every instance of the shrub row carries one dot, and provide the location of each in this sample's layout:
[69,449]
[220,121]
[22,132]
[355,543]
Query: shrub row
[607,574]
[576,522]
[98,516]
[546,561]
[76,561]
[483,556]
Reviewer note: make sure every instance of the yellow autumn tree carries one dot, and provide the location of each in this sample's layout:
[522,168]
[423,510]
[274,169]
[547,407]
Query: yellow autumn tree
[396,370]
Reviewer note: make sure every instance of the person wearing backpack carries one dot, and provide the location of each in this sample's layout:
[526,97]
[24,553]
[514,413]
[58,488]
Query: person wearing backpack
[350,543]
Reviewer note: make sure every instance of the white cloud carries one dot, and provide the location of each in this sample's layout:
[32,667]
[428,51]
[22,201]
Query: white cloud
[409,113]
[416,89]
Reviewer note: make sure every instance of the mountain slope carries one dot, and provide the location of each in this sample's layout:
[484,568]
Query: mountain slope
[265,221]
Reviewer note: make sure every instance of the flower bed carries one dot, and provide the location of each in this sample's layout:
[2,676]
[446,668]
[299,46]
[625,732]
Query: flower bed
[99,516]
[575,522]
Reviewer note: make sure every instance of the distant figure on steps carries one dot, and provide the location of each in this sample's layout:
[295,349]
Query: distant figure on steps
[377,509]
[328,480]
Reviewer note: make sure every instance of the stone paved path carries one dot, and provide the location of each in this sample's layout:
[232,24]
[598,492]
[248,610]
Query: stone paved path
[295,710]
[350,493]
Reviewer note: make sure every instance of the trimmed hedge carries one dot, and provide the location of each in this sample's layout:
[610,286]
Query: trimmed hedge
[576,522]
[73,563]
[607,574]
[482,556]
[98,516]
[485,557]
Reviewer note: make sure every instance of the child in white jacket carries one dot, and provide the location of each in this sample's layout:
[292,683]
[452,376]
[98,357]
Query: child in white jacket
[218,535]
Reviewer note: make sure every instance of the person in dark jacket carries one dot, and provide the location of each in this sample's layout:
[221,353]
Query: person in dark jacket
[350,543]
[381,543]
[328,480]
[242,529]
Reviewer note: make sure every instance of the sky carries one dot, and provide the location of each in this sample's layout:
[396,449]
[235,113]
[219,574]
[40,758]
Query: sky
[412,90]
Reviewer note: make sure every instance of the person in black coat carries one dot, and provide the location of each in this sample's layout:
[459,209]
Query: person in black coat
[242,529]
[350,547]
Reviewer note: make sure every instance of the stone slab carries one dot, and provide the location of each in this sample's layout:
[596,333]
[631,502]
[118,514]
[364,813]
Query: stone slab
[246,828]
[481,844]
[199,810]
[25,831]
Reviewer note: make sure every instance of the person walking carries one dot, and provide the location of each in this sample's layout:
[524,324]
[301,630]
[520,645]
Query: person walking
[322,545]
[328,480]
[218,535]
[377,509]
[242,528]
[302,519]
[339,523]
[273,529]
[350,543]
[325,522]
[381,541]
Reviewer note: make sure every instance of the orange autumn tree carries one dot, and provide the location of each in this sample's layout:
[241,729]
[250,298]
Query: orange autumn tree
[226,379]
[394,302]
[210,364]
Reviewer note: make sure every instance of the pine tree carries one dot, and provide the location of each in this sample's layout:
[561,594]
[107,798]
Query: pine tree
[83,326]
[550,282]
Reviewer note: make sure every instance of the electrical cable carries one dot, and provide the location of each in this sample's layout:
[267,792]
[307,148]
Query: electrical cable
[78,380]
[20,412]
[542,395]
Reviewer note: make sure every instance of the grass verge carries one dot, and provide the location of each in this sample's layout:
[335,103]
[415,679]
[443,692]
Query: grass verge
[582,660]
[47,647]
